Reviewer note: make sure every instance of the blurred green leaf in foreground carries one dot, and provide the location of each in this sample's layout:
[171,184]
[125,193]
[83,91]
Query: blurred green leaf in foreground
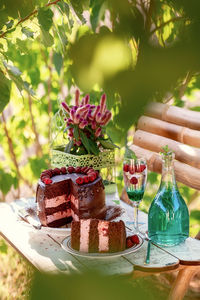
[90,286]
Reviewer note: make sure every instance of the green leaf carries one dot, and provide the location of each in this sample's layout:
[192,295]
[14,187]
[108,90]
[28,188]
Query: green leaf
[37,165]
[58,61]
[85,141]
[14,70]
[96,13]
[6,181]
[93,147]
[69,146]
[45,18]
[107,144]
[5,85]
[47,38]
[62,35]
[130,154]
[27,32]
[9,24]
[76,132]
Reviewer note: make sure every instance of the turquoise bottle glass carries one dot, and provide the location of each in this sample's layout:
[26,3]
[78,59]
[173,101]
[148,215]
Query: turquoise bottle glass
[168,218]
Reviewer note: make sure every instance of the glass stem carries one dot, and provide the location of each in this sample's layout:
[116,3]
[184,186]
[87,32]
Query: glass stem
[135,204]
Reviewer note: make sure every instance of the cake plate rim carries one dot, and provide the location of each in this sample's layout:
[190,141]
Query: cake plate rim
[65,244]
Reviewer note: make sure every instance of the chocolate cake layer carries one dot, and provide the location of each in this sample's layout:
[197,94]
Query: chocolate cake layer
[75,235]
[62,207]
[93,236]
[60,222]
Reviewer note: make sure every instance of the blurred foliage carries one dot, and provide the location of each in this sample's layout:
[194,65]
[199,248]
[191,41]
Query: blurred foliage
[135,51]
[91,285]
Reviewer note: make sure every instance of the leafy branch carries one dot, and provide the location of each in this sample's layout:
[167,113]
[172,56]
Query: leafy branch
[35,11]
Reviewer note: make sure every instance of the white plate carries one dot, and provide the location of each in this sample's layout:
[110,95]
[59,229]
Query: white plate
[66,245]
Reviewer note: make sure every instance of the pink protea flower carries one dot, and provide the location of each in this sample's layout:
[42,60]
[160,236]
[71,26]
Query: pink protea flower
[98,132]
[103,103]
[87,99]
[98,117]
[77,95]
[72,114]
[94,124]
[83,124]
[66,107]
[82,109]
[77,118]
[107,119]
[69,121]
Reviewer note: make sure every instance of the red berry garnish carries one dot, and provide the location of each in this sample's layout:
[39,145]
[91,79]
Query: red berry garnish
[79,180]
[131,169]
[126,168]
[47,181]
[78,170]
[91,177]
[142,168]
[93,174]
[90,170]
[135,239]
[129,243]
[56,171]
[86,179]
[71,170]
[133,180]
[63,170]
[83,170]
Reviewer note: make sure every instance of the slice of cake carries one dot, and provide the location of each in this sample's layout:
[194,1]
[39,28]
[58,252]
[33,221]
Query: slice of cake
[95,236]
[72,193]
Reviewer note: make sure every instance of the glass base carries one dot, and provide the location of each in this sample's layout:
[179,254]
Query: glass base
[168,240]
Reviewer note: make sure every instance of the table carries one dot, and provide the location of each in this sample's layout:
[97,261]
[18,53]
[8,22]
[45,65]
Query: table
[45,253]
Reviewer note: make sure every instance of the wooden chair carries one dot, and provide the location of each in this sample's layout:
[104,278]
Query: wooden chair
[180,130]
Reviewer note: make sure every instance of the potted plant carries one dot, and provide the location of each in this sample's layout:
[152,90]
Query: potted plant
[87,141]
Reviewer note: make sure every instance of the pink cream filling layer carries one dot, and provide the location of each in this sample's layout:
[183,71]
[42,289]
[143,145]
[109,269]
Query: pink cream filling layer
[59,215]
[103,236]
[54,202]
[84,235]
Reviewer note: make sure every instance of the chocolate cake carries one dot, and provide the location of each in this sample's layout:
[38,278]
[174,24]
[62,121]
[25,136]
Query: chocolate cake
[94,235]
[69,194]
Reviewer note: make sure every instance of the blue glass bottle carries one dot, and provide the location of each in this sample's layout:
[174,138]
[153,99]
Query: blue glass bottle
[168,219]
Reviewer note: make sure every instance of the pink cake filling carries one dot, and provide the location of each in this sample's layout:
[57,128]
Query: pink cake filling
[84,235]
[74,201]
[103,236]
[74,216]
[54,202]
[59,215]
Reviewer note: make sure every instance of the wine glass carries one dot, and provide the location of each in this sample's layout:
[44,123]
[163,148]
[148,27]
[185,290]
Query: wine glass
[135,177]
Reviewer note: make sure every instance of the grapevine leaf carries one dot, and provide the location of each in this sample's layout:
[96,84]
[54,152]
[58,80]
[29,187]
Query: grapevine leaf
[37,166]
[96,13]
[85,141]
[45,18]
[14,70]
[3,247]
[5,85]
[6,181]
[27,32]
[58,61]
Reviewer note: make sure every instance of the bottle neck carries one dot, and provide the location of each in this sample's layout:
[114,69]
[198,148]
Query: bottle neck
[168,176]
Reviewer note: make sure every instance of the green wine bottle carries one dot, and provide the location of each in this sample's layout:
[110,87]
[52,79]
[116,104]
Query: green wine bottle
[168,218]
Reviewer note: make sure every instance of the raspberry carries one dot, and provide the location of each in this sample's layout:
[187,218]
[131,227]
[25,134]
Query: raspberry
[78,170]
[79,180]
[86,179]
[126,168]
[83,170]
[131,169]
[63,170]
[71,170]
[133,180]
[87,169]
[91,178]
[56,171]
[93,174]
[47,180]
[135,239]
[90,170]
[129,243]
[140,169]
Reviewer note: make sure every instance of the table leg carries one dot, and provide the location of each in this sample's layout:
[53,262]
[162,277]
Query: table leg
[181,283]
